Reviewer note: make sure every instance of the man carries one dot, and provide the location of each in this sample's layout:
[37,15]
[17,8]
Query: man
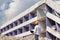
[37,30]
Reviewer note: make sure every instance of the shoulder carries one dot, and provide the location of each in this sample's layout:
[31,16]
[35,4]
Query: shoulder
[36,25]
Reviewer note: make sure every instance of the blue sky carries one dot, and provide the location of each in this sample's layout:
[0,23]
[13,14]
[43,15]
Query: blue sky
[11,8]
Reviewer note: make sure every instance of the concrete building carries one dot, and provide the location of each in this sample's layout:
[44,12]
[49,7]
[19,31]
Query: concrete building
[46,11]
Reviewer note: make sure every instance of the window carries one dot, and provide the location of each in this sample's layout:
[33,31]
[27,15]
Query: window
[31,26]
[58,27]
[20,30]
[4,29]
[7,28]
[11,34]
[50,36]
[26,28]
[26,18]
[21,20]
[15,32]
[49,9]
[11,26]
[32,15]
[1,30]
[50,22]
[15,23]
[18,22]
[7,34]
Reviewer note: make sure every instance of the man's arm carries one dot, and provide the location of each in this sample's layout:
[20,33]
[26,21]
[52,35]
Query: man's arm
[35,29]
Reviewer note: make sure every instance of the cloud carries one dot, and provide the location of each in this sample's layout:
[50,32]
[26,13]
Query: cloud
[12,8]
[2,2]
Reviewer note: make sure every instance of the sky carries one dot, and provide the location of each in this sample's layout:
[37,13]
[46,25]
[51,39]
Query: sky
[11,8]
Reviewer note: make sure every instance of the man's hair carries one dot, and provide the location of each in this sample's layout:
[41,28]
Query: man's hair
[36,22]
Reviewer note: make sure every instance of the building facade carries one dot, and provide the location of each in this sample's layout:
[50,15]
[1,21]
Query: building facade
[46,11]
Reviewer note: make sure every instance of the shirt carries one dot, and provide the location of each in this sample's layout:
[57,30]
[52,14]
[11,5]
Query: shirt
[37,30]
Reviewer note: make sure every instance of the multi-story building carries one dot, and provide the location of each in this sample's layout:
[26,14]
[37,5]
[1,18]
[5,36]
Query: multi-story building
[52,20]
[24,22]
[45,10]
